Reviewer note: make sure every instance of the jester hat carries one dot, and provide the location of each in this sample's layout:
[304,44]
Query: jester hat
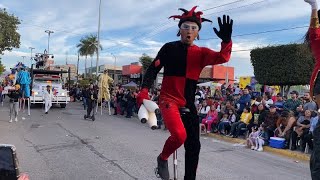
[191,16]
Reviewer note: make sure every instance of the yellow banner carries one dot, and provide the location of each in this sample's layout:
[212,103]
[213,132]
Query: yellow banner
[244,81]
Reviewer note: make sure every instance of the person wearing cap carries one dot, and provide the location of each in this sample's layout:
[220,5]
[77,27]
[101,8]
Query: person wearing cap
[14,96]
[183,62]
[293,103]
[270,120]
[47,97]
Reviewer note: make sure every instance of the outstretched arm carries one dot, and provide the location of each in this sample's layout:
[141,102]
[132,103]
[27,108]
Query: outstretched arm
[211,57]
[153,70]
[151,75]
[314,33]
[314,23]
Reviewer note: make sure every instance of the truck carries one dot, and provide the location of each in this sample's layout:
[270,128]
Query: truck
[41,76]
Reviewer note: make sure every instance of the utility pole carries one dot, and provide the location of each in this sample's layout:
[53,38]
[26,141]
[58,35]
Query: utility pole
[67,58]
[98,45]
[114,68]
[78,68]
[31,48]
[23,58]
[49,32]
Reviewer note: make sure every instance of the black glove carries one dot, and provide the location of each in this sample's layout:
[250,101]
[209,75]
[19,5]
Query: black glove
[225,29]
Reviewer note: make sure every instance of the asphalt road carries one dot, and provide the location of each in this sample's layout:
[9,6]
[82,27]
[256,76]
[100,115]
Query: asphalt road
[62,145]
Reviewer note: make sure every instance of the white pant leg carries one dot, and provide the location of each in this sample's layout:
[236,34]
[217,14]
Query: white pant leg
[257,143]
[11,109]
[261,142]
[16,109]
[47,105]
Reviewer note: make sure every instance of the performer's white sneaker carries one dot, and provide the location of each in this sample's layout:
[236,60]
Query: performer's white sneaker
[16,119]
[10,120]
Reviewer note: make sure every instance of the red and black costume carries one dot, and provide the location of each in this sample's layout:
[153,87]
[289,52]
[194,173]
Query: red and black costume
[314,36]
[314,39]
[182,65]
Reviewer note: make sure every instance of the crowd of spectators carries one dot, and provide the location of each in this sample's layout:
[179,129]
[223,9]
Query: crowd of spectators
[234,112]
[257,116]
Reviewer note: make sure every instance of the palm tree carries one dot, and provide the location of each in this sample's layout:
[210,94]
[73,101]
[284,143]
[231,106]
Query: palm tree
[83,51]
[92,41]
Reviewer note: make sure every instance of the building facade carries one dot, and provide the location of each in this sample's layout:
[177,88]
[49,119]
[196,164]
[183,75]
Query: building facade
[132,72]
[115,72]
[65,67]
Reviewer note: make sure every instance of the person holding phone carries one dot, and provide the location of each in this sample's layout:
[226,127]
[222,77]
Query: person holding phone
[9,166]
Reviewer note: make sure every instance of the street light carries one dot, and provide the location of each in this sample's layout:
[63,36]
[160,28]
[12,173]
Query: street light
[23,58]
[97,63]
[49,32]
[31,48]
[114,70]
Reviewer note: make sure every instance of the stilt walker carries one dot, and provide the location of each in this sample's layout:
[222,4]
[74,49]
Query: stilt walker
[23,78]
[183,62]
[104,91]
[313,40]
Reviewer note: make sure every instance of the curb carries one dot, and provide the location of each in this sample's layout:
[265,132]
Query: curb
[282,152]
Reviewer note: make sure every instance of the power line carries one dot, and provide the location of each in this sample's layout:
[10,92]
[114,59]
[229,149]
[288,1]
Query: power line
[152,33]
[233,2]
[164,24]
[261,32]
[210,14]
[239,7]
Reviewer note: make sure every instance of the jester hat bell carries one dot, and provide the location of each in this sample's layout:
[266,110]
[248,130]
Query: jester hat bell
[191,16]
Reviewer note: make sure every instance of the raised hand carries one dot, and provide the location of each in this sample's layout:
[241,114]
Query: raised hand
[225,29]
[313,3]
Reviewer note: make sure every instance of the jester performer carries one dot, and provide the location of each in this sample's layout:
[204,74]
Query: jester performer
[183,62]
[103,84]
[313,40]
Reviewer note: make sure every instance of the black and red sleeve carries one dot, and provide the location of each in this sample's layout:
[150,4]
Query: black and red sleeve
[154,69]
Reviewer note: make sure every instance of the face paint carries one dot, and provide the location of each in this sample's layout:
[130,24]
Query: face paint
[189,31]
[189,26]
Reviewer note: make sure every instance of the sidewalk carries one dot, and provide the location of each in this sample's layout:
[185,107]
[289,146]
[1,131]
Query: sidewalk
[283,152]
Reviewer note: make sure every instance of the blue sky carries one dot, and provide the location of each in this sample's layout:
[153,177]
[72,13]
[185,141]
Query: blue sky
[130,28]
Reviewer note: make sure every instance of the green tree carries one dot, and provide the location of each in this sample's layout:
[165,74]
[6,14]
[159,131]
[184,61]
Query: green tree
[145,60]
[88,47]
[284,65]
[2,67]
[92,48]
[83,52]
[9,37]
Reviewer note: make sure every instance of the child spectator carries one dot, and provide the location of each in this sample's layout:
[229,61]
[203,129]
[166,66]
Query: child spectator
[262,139]
[225,123]
[211,118]
[244,121]
[251,140]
